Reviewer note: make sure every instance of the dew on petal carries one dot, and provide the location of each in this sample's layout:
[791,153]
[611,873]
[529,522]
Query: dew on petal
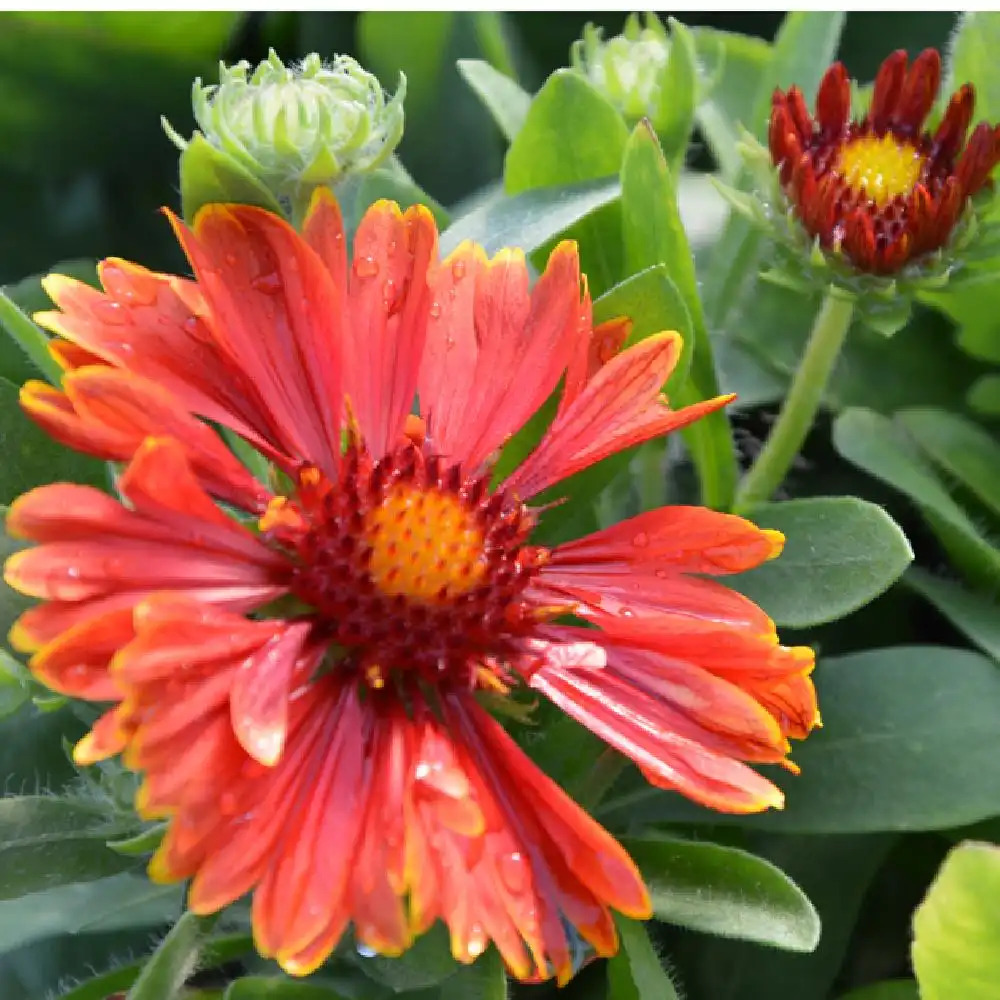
[366,267]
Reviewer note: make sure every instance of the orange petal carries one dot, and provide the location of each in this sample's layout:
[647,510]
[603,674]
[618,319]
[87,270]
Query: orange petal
[676,539]
[620,407]
[389,304]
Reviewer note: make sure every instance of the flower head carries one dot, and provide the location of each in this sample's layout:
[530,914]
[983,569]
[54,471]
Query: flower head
[297,672]
[297,127]
[882,191]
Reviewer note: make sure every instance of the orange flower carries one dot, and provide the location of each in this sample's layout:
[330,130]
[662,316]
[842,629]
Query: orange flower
[881,190]
[302,696]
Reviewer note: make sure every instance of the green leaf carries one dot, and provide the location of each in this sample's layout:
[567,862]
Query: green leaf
[28,295]
[803,49]
[975,309]
[678,94]
[724,891]
[734,65]
[835,873]
[216,952]
[840,553]
[956,946]
[531,219]
[885,451]
[166,972]
[48,841]
[635,972]
[30,337]
[278,988]
[485,979]
[357,194]
[502,96]
[15,684]
[427,963]
[890,989]
[209,175]
[972,59]
[653,234]
[774,326]
[31,457]
[959,447]
[571,134]
[984,395]
[122,902]
[975,615]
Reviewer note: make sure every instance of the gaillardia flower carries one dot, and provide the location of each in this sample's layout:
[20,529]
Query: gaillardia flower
[296,667]
[881,190]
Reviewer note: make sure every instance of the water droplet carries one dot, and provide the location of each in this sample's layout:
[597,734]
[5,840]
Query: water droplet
[640,540]
[458,270]
[365,951]
[514,871]
[435,309]
[269,284]
[365,267]
[109,311]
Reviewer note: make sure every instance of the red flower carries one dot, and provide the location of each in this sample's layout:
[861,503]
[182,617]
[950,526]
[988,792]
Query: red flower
[302,698]
[881,190]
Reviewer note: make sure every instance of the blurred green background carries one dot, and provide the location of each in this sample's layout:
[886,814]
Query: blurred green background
[84,163]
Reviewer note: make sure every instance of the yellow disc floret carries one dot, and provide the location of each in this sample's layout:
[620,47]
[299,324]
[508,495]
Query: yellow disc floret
[880,168]
[425,545]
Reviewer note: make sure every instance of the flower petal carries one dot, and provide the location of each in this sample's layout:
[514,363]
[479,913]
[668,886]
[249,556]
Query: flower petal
[495,352]
[388,306]
[621,406]
[157,326]
[109,413]
[276,312]
[687,730]
[673,539]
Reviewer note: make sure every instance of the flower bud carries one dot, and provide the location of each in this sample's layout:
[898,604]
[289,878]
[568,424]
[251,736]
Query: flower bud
[299,126]
[628,69]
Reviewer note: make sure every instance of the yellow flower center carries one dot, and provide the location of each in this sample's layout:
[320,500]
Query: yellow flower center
[425,545]
[880,168]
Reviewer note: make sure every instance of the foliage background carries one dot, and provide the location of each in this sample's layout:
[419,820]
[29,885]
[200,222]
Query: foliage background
[83,163]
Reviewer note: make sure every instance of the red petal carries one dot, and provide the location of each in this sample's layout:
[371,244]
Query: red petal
[833,100]
[109,413]
[643,592]
[951,132]
[918,93]
[105,739]
[685,539]
[620,407]
[645,729]
[278,315]
[155,325]
[77,662]
[494,352]
[887,90]
[260,691]
[388,307]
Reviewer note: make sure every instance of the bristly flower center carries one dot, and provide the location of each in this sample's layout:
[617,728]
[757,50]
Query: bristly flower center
[880,169]
[426,545]
[413,567]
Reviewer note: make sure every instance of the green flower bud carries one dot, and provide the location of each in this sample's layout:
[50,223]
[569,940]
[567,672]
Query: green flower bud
[628,69]
[294,128]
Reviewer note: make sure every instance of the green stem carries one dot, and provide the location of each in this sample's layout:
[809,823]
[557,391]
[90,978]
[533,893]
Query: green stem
[804,396]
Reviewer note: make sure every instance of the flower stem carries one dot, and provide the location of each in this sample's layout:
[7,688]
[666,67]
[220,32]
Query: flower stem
[803,399]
